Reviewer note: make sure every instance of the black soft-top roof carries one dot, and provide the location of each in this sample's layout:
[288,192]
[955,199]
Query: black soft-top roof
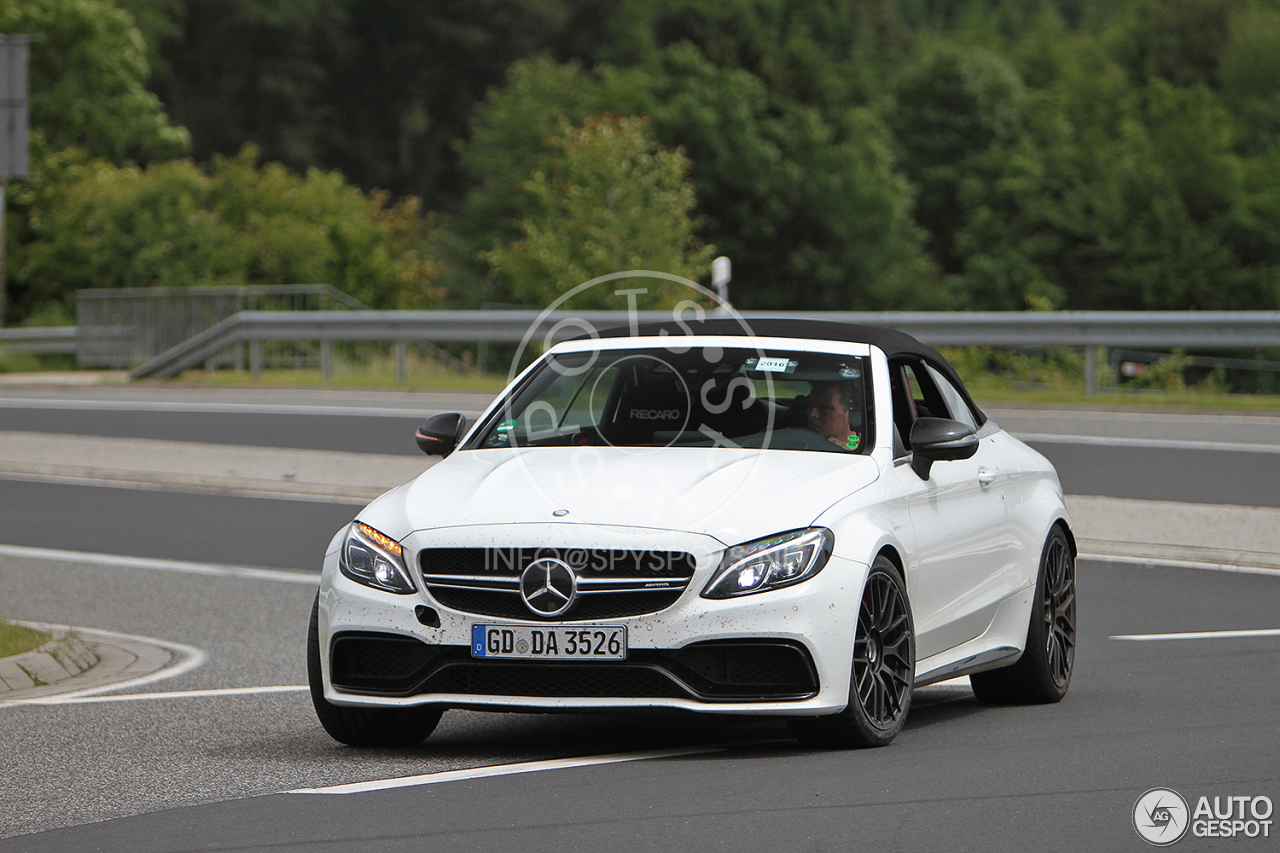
[890,341]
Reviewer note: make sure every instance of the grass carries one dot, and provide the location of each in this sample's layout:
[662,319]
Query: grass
[380,374]
[1056,376]
[305,378]
[988,388]
[15,639]
[992,377]
[989,392]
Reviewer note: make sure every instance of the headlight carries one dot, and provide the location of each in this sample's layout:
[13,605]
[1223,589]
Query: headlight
[770,563]
[374,559]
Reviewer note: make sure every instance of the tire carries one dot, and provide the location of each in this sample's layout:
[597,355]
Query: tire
[884,663]
[364,726]
[1043,673]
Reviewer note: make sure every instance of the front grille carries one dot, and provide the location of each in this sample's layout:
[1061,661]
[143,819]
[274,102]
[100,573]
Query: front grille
[713,671]
[379,663]
[573,681]
[611,583]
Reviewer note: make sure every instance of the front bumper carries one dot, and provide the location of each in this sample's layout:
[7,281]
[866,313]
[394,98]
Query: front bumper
[787,651]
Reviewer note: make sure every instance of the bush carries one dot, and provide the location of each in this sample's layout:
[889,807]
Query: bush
[236,222]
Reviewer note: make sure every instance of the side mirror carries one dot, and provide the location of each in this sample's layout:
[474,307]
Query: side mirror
[939,440]
[438,435]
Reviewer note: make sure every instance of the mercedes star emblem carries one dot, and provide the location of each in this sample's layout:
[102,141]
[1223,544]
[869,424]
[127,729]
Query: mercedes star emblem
[548,587]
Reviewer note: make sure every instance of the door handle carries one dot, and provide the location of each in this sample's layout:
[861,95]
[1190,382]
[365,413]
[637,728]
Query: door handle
[986,477]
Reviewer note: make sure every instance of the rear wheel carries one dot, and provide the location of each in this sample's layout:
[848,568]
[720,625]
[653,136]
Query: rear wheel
[364,726]
[1043,673]
[884,662]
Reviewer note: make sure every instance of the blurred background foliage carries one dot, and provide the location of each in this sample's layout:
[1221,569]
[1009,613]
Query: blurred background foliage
[846,154]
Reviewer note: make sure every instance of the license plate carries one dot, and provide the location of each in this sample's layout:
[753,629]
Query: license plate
[535,642]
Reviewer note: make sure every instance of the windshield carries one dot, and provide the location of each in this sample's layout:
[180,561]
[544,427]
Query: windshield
[707,396]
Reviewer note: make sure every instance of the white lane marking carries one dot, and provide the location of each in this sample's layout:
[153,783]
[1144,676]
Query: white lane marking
[1199,635]
[1179,564]
[192,657]
[1162,443]
[502,770]
[82,699]
[211,408]
[182,566]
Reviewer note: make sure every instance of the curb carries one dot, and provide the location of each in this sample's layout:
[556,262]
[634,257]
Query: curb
[238,486]
[99,660]
[1179,555]
[55,662]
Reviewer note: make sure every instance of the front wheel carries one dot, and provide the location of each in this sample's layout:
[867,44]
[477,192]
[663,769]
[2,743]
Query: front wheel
[1043,673]
[884,663]
[364,726]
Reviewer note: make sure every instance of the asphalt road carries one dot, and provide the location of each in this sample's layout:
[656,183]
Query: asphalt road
[209,771]
[1229,459]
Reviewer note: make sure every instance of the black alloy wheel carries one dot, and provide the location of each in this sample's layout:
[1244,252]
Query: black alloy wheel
[1043,673]
[882,658]
[1058,604]
[884,664]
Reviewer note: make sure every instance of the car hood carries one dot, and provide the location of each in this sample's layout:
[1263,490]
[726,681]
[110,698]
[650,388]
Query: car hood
[731,494]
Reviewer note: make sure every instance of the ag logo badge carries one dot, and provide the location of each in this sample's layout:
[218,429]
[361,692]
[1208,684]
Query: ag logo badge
[1160,816]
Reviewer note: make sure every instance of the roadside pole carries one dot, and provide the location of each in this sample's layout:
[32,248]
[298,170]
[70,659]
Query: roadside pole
[721,274]
[3,285]
[14,52]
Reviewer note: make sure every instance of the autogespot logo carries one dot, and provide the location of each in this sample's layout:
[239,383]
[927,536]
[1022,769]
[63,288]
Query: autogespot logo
[1160,816]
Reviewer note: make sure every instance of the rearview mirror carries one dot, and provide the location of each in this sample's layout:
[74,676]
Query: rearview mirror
[438,435]
[939,440]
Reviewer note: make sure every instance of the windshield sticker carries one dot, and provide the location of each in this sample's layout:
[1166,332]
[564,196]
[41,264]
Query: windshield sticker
[506,426]
[772,365]
[852,442]
[850,373]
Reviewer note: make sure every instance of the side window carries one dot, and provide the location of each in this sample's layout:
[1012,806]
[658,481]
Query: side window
[904,409]
[588,406]
[957,407]
[918,392]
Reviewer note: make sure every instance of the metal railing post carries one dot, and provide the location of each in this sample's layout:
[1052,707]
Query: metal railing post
[255,360]
[1090,371]
[326,360]
[401,352]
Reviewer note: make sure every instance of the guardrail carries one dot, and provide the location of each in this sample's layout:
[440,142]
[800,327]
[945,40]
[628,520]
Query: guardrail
[122,327]
[55,340]
[1084,329]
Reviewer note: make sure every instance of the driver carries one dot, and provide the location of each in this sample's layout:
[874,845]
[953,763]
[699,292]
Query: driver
[828,413]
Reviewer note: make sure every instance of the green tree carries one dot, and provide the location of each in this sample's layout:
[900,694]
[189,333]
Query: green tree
[813,211]
[176,223]
[828,54]
[380,89]
[1249,71]
[610,199]
[239,71]
[88,80]
[1181,41]
[962,119]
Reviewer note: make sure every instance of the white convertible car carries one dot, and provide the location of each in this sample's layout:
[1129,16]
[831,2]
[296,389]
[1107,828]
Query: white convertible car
[803,519]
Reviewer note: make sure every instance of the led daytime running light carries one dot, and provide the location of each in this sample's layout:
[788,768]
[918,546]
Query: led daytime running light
[372,558]
[382,540]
